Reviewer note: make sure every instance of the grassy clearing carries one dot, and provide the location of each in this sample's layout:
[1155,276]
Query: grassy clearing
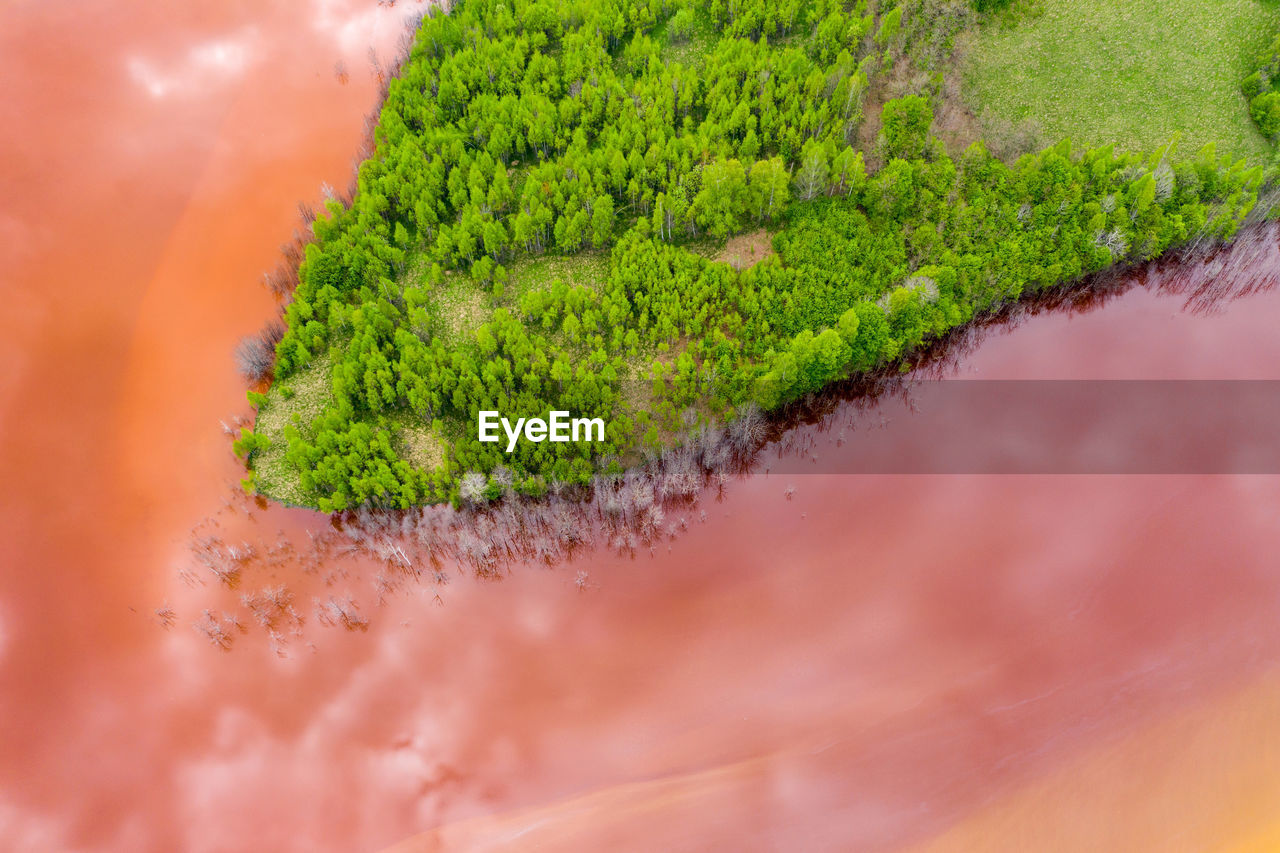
[458,307]
[420,445]
[299,399]
[1126,72]
[691,50]
[533,272]
[746,250]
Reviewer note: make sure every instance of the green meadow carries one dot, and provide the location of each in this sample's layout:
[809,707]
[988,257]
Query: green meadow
[1129,72]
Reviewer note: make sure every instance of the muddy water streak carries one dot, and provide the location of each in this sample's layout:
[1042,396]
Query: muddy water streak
[876,663]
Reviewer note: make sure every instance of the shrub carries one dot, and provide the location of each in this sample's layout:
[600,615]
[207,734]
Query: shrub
[906,126]
[1265,110]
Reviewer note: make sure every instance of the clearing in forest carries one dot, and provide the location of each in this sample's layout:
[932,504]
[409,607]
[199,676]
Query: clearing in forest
[1132,73]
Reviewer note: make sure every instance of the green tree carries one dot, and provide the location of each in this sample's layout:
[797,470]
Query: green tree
[769,190]
[722,200]
[602,221]
[814,175]
[1265,110]
[905,127]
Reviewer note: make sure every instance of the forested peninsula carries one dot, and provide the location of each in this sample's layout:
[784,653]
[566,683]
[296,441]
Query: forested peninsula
[541,222]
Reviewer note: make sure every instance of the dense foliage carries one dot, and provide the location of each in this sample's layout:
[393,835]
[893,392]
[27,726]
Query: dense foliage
[1262,88]
[517,129]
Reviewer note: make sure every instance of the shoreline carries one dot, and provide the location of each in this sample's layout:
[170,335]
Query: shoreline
[429,457]
[928,362]
[656,502]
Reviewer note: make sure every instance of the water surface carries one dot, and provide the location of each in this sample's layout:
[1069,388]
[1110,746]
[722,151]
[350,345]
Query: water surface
[871,662]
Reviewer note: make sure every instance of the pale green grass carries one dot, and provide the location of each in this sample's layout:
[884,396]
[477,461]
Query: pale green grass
[457,308]
[692,51]
[1126,72]
[587,269]
[299,400]
[418,443]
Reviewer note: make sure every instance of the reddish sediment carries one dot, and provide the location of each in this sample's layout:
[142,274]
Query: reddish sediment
[876,662]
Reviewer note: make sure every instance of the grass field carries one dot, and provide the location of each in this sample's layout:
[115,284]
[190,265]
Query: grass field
[304,396]
[1128,72]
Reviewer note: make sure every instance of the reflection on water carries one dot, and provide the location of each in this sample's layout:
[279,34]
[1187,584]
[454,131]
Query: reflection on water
[863,662]
[891,423]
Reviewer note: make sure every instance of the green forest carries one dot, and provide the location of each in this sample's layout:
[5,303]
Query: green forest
[538,223]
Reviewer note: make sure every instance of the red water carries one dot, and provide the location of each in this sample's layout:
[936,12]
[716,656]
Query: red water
[874,662]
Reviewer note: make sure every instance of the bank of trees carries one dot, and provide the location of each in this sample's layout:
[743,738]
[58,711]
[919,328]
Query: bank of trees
[538,127]
[1262,89]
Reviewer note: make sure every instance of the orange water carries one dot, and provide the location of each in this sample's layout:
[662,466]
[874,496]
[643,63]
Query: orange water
[877,663]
